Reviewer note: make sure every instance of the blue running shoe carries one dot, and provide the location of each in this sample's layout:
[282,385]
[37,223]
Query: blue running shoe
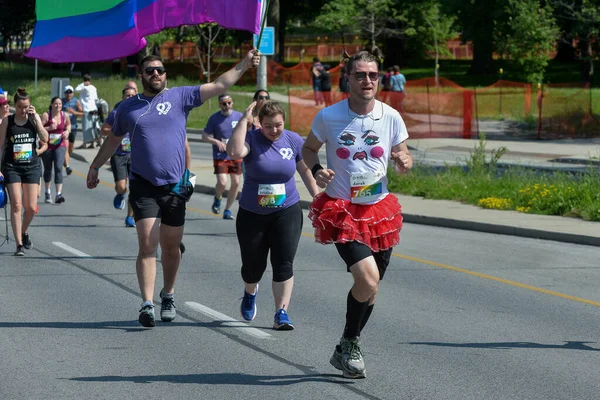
[248,306]
[119,202]
[129,222]
[227,215]
[216,206]
[282,321]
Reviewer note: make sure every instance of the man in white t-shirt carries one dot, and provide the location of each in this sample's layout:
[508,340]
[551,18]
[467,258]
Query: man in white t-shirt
[356,212]
[88,96]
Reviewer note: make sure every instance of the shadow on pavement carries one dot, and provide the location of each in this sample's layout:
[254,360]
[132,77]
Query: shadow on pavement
[512,345]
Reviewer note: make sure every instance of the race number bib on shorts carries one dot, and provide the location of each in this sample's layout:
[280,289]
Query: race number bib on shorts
[271,195]
[55,138]
[224,140]
[23,152]
[126,145]
[365,186]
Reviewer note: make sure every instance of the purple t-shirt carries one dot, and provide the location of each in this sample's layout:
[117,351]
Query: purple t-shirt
[157,128]
[221,128]
[269,184]
[124,148]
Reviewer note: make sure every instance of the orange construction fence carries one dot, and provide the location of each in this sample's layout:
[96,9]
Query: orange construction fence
[439,107]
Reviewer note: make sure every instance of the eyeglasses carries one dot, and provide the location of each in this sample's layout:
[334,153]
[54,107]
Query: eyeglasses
[361,76]
[226,103]
[263,97]
[160,70]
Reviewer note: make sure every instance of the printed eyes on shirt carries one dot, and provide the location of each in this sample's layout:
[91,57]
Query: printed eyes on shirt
[347,139]
[370,138]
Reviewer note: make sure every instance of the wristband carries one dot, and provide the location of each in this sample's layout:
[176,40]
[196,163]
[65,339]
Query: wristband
[315,169]
[92,167]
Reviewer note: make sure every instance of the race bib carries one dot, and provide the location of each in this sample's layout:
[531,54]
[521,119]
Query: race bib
[126,145]
[23,152]
[224,140]
[271,195]
[365,186]
[55,139]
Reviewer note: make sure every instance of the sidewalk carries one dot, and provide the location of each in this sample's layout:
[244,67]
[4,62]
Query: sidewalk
[450,214]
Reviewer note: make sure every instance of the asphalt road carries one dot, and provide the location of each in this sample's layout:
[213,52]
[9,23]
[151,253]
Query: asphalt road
[460,315]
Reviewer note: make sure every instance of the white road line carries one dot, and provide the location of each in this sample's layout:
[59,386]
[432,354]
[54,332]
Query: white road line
[71,250]
[228,321]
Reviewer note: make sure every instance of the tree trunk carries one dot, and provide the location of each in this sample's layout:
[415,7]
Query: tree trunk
[274,20]
[482,52]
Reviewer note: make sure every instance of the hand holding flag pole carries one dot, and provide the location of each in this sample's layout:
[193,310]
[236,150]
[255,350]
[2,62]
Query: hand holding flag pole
[256,53]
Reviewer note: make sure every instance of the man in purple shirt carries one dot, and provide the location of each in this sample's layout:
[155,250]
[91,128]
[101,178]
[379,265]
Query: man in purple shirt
[218,130]
[156,121]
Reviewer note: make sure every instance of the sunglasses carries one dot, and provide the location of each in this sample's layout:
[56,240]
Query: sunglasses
[361,76]
[226,103]
[263,97]
[69,91]
[160,70]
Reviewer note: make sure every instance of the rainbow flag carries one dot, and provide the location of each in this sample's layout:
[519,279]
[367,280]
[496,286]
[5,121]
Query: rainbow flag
[98,30]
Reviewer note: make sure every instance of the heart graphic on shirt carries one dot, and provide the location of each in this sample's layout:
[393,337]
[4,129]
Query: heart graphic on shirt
[286,153]
[163,108]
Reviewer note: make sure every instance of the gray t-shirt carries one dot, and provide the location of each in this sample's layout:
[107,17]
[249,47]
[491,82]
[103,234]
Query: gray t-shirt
[157,126]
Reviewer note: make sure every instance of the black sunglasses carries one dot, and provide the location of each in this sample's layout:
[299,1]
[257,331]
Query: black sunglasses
[361,76]
[263,97]
[226,103]
[68,91]
[160,70]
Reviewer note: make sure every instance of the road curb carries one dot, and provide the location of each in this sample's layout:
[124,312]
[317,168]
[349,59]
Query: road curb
[451,223]
[467,225]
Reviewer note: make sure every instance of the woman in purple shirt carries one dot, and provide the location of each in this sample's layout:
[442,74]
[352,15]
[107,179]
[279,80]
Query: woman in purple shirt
[269,217]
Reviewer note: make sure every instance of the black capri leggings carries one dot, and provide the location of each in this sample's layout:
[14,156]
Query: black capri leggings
[278,232]
[56,157]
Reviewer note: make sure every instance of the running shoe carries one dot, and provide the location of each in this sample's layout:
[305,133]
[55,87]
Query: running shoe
[48,198]
[69,170]
[282,321]
[59,199]
[182,248]
[20,252]
[147,316]
[216,206]
[26,241]
[353,363]
[167,307]
[119,202]
[129,222]
[227,215]
[37,209]
[248,306]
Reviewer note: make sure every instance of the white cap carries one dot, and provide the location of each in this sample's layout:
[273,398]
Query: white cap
[69,87]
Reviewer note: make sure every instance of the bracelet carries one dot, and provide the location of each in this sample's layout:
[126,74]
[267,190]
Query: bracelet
[316,168]
[96,168]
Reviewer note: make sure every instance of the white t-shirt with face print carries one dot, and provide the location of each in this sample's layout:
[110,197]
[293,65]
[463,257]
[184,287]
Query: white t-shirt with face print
[358,149]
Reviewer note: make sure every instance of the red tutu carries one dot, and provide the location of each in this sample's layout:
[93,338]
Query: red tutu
[339,221]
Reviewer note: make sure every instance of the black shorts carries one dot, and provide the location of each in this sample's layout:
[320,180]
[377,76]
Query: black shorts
[120,166]
[72,134]
[28,174]
[353,252]
[149,201]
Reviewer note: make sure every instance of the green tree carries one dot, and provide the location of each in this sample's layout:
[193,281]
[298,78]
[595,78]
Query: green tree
[476,20]
[579,20]
[16,18]
[339,17]
[532,37]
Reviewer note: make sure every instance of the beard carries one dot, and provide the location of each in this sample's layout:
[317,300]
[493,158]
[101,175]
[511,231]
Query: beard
[154,87]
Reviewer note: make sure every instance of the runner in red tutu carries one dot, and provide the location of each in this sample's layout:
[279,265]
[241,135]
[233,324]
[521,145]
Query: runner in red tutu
[356,211]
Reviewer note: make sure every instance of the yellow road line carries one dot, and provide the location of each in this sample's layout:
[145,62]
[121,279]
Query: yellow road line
[438,265]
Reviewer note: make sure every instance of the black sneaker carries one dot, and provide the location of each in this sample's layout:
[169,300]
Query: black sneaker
[59,199]
[182,248]
[147,317]
[19,252]
[27,241]
[167,307]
